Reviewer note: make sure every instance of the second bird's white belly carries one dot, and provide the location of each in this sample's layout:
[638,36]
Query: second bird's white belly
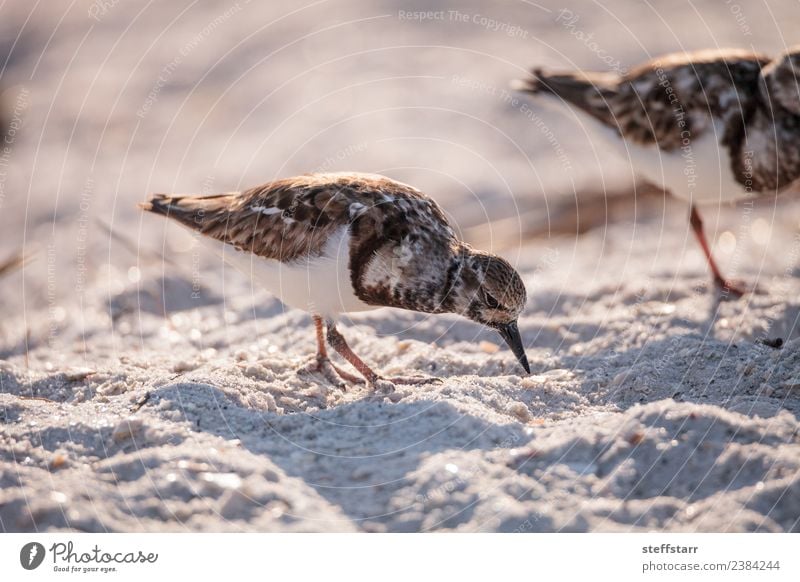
[701,174]
[319,285]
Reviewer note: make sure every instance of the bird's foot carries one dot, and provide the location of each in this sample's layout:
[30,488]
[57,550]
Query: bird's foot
[729,289]
[347,376]
[330,371]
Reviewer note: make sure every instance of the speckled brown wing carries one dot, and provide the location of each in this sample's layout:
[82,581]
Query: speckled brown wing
[672,100]
[282,220]
[661,100]
[293,218]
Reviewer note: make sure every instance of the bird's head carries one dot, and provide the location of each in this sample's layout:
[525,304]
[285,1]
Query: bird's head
[781,81]
[491,292]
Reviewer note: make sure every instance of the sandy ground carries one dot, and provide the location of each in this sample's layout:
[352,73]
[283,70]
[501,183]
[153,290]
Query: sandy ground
[144,386]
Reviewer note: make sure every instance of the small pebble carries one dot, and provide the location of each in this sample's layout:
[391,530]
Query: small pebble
[776,343]
[222,480]
[127,429]
[520,411]
[183,366]
[361,473]
[620,378]
[489,347]
[112,388]
[59,460]
[635,437]
[78,374]
[254,371]
[234,504]
[59,497]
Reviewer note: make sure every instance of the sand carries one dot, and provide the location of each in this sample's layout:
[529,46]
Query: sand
[144,386]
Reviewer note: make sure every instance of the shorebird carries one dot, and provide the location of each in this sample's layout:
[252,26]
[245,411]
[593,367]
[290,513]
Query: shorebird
[708,126]
[346,242]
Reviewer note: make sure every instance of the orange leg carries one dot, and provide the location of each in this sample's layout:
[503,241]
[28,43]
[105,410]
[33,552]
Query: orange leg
[338,343]
[323,364]
[721,282]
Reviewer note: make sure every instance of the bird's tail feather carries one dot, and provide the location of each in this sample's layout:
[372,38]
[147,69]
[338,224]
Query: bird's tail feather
[567,85]
[192,211]
[586,90]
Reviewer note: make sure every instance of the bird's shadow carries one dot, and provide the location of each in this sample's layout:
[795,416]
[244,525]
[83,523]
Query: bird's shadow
[349,452]
[354,452]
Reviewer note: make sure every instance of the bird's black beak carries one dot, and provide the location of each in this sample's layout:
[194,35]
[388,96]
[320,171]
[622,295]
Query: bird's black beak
[510,333]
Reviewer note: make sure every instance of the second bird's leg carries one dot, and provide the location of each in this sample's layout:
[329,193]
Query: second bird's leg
[721,282]
[338,343]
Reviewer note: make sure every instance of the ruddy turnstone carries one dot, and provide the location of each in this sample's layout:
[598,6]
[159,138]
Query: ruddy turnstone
[709,126]
[345,242]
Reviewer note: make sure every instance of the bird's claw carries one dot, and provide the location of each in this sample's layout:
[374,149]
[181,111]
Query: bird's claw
[338,377]
[347,376]
[331,372]
[728,289]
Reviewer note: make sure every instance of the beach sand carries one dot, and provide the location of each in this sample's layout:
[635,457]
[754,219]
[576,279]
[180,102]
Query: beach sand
[145,386]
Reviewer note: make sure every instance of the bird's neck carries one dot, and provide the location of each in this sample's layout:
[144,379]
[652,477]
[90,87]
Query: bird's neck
[460,282]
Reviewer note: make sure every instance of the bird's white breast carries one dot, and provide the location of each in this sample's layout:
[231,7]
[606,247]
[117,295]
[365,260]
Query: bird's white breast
[319,285]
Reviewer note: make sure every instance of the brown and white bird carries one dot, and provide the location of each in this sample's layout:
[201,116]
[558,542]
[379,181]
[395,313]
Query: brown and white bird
[709,127]
[345,242]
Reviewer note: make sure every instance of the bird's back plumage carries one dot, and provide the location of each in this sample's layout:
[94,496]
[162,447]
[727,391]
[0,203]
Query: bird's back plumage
[659,100]
[710,107]
[395,233]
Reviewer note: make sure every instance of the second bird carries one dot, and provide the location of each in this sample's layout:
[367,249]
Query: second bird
[709,126]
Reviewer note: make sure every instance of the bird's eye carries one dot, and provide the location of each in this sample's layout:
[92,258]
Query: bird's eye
[491,302]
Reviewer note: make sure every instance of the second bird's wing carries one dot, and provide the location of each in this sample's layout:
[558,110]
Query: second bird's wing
[666,100]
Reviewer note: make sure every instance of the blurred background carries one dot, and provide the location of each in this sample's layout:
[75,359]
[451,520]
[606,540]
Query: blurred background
[105,101]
